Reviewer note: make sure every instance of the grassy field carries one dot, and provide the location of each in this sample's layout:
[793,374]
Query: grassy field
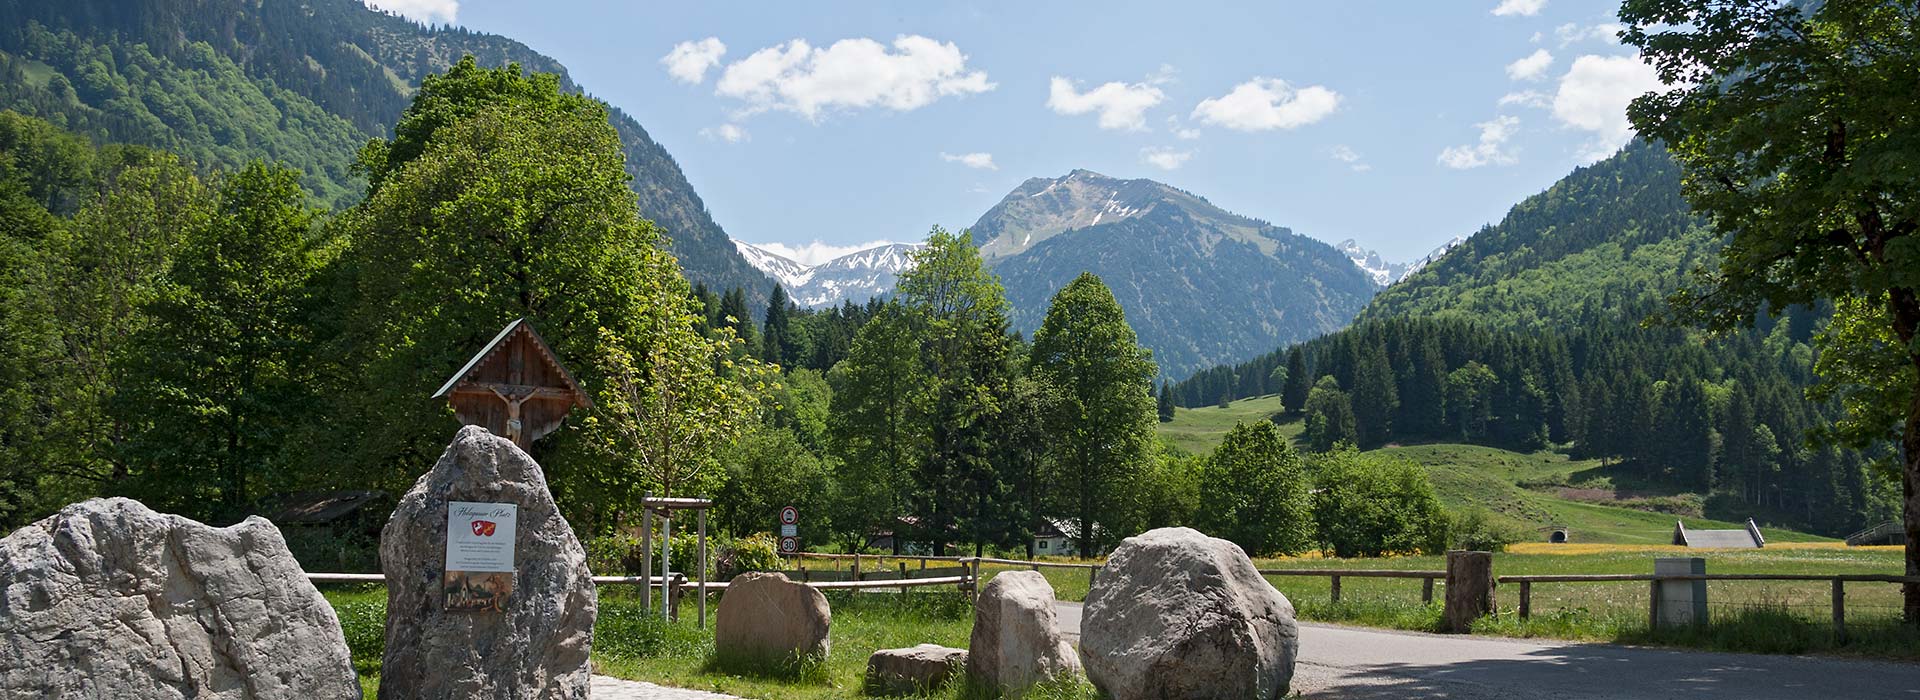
[1199,430]
[1763,617]
[1528,492]
[631,643]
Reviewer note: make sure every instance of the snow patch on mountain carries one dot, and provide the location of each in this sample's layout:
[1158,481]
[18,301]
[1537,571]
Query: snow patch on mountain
[856,276]
[1385,273]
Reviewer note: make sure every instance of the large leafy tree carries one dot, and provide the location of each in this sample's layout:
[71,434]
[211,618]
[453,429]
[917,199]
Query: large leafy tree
[503,196]
[1794,123]
[966,351]
[213,382]
[1255,492]
[1101,421]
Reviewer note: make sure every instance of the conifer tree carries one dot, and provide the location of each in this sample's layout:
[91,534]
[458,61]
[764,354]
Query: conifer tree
[1293,397]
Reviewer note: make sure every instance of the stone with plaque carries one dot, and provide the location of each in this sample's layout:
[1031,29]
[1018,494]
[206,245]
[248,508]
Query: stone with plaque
[488,593]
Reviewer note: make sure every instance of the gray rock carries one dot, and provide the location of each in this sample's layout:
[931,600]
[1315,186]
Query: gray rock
[109,599]
[1016,641]
[914,670]
[536,645]
[1178,614]
[763,616]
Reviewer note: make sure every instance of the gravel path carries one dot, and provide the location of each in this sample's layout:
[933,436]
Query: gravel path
[609,688]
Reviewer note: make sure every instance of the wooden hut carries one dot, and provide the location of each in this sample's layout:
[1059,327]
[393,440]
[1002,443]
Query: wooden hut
[514,387]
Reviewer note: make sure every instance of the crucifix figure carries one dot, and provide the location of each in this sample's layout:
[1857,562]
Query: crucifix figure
[514,387]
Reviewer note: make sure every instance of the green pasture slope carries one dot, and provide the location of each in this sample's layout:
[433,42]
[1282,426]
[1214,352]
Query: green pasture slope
[1472,476]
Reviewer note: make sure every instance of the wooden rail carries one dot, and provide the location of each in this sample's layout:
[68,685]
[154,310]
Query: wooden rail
[1837,581]
[1334,576]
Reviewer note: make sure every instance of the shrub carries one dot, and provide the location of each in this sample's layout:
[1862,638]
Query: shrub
[1369,505]
[1474,529]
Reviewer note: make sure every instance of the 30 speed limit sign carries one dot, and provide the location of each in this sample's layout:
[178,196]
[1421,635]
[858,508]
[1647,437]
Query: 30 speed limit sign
[789,530]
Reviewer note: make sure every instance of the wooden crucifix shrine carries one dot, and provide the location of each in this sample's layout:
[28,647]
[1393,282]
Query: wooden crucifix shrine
[514,387]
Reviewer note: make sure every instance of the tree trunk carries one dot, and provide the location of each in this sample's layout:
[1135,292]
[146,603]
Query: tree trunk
[1910,490]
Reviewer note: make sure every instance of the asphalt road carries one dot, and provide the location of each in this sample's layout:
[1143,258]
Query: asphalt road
[1357,663]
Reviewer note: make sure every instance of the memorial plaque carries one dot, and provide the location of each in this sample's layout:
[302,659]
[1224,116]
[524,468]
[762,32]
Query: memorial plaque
[479,566]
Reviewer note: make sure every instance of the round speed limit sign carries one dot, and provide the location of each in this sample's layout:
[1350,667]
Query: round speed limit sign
[789,545]
[789,515]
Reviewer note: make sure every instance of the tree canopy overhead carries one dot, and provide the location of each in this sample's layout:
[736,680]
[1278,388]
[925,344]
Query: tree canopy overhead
[1796,127]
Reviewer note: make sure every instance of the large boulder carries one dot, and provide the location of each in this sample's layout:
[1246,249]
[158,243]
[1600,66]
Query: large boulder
[533,641]
[913,670]
[764,617]
[1016,640]
[1178,614]
[109,599]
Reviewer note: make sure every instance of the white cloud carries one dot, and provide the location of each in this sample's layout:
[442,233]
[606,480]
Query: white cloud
[730,133]
[1491,150]
[423,11]
[817,251]
[1533,67]
[1165,158]
[1594,95]
[851,74]
[1261,104]
[1527,98]
[983,161]
[1352,158]
[1121,105]
[689,60]
[1608,32]
[1187,134]
[1524,8]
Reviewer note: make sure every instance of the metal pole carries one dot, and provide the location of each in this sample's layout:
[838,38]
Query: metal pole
[666,549]
[646,558]
[703,568]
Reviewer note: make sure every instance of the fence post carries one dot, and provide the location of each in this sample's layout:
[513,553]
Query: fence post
[1336,589]
[646,561]
[1426,591]
[1093,574]
[703,568]
[1526,599]
[903,580]
[672,601]
[1469,589]
[1653,604]
[1839,611]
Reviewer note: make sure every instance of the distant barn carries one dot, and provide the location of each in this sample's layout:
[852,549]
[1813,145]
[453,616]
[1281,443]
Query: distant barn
[1748,538]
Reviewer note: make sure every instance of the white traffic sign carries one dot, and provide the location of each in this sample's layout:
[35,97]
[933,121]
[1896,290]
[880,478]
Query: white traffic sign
[789,530]
[789,515]
[789,545]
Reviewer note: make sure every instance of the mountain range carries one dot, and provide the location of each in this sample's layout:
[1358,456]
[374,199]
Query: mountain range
[305,83]
[1200,285]
[1385,273]
[855,277]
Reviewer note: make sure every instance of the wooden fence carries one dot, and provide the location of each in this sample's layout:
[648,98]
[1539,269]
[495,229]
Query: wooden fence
[1838,582]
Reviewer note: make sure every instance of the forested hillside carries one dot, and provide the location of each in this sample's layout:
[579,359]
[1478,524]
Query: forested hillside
[306,84]
[1530,336]
[1608,241]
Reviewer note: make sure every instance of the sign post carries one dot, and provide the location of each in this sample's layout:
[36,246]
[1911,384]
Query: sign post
[789,531]
[479,565]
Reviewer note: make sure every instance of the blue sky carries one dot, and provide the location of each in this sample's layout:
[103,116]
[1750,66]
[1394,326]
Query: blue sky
[1400,124]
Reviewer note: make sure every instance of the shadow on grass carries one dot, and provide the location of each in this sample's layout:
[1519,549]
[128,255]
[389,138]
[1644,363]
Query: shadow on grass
[806,670]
